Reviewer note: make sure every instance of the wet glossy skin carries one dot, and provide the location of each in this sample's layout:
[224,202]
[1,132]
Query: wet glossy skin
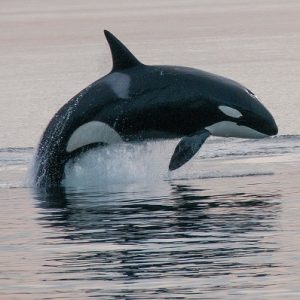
[142,102]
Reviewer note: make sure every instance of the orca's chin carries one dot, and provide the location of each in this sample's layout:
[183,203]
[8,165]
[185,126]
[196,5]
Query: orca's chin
[270,128]
[232,129]
[273,130]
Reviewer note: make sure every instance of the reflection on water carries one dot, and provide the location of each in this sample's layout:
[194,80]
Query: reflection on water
[184,242]
[218,233]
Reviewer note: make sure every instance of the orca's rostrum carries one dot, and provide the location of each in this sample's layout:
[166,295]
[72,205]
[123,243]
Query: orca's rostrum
[137,102]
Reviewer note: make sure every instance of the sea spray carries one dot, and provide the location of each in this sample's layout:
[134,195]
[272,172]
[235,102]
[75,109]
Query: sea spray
[147,162]
[118,164]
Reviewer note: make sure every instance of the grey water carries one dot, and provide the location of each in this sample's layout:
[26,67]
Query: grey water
[225,226]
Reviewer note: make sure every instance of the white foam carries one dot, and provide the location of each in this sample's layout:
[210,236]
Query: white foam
[122,163]
[125,165]
[147,164]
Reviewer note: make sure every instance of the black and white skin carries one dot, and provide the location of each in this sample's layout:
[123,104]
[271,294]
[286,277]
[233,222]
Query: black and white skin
[137,102]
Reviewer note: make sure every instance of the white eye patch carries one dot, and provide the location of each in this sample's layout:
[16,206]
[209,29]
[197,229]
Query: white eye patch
[229,111]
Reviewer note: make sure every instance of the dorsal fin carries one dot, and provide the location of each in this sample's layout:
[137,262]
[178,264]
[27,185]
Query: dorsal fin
[122,58]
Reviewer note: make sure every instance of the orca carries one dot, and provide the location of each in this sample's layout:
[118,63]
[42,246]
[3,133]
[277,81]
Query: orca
[137,102]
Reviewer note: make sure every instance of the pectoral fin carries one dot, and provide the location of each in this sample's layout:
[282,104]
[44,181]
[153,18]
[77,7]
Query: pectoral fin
[187,148]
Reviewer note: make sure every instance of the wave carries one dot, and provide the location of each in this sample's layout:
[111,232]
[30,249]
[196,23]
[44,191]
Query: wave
[277,143]
[17,150]
[148,161]
[15,156]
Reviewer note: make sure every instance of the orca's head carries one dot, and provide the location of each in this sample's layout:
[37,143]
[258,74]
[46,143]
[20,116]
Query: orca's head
[256,116]
[242,115]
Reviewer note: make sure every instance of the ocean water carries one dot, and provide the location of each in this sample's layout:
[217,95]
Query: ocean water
[224,226]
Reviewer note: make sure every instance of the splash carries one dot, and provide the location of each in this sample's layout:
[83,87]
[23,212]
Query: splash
[147,163]
[119,164]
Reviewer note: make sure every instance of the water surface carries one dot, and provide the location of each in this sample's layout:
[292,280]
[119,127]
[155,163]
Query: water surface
[225,226]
